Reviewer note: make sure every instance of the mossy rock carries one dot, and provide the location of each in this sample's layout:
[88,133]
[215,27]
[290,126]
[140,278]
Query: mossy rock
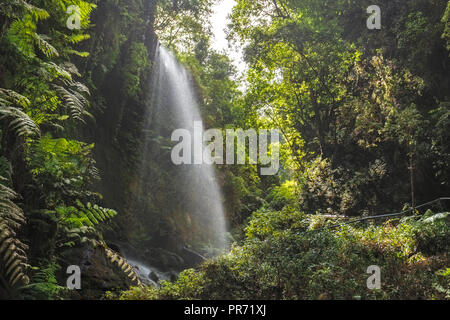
[98,275]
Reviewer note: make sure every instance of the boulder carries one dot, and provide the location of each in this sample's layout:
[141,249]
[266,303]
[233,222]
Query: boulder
[153,276]
[98,275]
[163,259]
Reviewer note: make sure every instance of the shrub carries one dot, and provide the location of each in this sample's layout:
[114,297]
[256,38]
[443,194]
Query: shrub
[282,259]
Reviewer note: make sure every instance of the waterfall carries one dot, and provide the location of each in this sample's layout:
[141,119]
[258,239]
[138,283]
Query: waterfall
[196,198]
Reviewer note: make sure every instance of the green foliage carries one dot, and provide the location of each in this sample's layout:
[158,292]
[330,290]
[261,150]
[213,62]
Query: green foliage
[443,282]
[283,262]
[70,236]
[63,168]
[264,223]
[44,285]
[39,69]
[77,224]
[283,195]
[440,149]
[134,293]
[182,24]
[188,286]
[42,91]
[354,106]
[77,229]
[446,21]
[431,233]
[359,101]
[134,68]
[22,34]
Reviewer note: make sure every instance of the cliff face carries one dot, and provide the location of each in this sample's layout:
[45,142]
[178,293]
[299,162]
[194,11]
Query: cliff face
[122,46]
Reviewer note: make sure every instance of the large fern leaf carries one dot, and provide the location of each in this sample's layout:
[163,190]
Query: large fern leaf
[51,71]
[18,5]
[15,8]
[41,41]
[11,97]
[14,119]
[117,260]
[95,213]
[73,98]
[18,121]
[13,259]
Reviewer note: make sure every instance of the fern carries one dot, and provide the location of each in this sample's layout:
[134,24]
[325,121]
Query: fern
[117,260]
[51,71]
[85,215]
[22,32]
[75,38]
[15,120]
[37,13]
[95,214]
[72,69]
[18,122]
[15,8]
[20,35]
[80,236]
[83,54]
[73,98]
[46,48]
[11,97]
[43,284]
[13,259]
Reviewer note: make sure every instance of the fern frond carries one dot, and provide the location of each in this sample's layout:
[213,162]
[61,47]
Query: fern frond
[74,100]
[82,235]
[13,259]
[44,46]
[51,71]
[18,121]
[75,38]
[12,97]
[20,35]
[16,8]
[95,213]
[82,54]
[71,68]
[38,13]
[115,259]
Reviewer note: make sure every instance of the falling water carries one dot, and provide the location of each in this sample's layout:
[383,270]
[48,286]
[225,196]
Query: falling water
[196,191]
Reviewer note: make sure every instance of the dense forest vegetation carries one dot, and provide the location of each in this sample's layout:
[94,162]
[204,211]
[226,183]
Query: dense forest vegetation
[364,115]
